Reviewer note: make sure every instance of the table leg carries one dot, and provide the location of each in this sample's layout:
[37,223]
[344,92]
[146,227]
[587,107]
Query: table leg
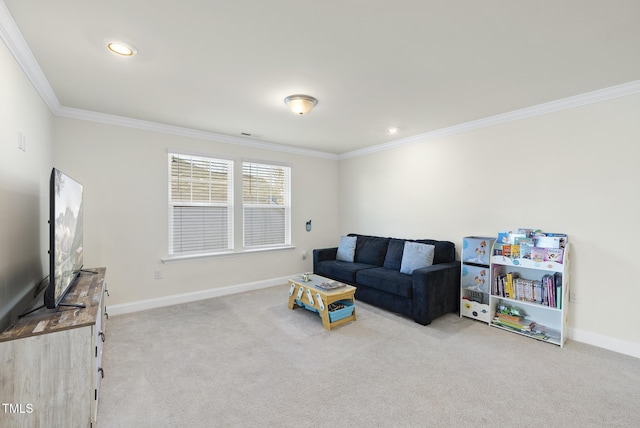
[325,318]
[292,295]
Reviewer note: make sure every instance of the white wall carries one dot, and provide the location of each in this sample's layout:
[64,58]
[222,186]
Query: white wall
[24,192]
[124,173]
[574,171]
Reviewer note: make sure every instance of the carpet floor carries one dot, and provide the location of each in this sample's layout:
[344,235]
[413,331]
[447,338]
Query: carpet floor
[245,360]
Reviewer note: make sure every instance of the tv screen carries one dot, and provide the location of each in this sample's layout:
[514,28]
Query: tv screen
[65,236]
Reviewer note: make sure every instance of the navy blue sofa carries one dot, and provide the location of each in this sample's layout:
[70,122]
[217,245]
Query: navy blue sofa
[424,295]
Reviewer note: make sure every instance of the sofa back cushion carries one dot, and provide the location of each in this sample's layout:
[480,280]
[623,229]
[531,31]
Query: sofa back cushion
[371,249]
[393,260]
[445,252]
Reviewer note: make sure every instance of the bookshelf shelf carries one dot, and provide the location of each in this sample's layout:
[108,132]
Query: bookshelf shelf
[524,303]
[549,335]
[526,263]
[530,297]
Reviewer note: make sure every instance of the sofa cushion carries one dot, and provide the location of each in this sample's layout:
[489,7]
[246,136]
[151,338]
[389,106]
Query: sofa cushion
[445,251]
[393,259]
[346,249]
[390,281]
[371,249]
[416,256]
[340,270]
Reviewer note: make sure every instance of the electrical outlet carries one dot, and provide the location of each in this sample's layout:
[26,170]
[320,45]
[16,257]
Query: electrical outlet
[158,274]
[305,255]
[572,297]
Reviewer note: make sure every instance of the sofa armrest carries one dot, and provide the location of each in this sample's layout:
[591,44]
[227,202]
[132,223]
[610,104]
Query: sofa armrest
[323,254]
[436,291]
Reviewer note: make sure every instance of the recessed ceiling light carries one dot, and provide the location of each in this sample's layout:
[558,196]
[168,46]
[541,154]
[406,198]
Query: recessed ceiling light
[392,131]
[121,48]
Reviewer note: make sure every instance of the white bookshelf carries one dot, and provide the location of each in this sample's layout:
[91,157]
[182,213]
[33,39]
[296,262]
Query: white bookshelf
[550,322]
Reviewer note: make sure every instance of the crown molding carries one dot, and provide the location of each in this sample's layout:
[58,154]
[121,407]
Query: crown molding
[128,122]
[552,106]
[18,47]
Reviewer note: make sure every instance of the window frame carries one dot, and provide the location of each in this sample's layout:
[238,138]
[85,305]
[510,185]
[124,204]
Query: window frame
[265,167]
[174,203]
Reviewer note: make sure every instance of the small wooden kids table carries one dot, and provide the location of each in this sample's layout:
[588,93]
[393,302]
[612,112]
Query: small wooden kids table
[308,294]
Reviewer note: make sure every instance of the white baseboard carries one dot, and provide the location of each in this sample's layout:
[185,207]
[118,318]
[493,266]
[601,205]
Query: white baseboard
[616,345]
[176,299]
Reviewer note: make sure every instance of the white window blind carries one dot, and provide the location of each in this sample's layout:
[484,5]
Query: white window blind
[200,205]
[266,197]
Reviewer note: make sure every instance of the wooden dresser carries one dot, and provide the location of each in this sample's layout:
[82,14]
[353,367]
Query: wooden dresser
[50,360]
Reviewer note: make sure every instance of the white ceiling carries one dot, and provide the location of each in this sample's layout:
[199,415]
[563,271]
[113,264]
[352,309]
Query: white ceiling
[225,67]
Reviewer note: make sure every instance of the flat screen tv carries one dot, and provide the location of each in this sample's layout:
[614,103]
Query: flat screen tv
[65,236]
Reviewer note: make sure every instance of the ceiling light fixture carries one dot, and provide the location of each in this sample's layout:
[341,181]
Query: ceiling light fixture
[392,131]
[122,49]
[300,104]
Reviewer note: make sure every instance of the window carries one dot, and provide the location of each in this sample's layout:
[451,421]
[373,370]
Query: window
[266,203]
[200,205]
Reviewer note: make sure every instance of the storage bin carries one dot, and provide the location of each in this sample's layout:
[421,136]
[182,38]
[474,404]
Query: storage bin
[307,307]
[477,249]
[475,278]
[342,313]
[471,309]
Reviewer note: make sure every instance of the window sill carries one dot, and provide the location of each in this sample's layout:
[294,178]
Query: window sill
[190,257]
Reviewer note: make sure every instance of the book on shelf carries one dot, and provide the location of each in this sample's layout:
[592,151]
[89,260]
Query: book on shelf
[553,254]
[524,242]
[495,285]
[514,237]
[559,296]
[510,290]
[510,237]
[516,323]
[548,241]
[537,254]
[526,231]
[528,290]
[557,279]
[551,290]
[531,245]
[507,317]
[503,238]
[520,284]
[506,250]
[537,292]
[515,251]
[562,238]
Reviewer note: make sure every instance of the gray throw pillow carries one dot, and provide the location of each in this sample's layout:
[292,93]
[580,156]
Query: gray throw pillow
[416,256]
[346,249]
